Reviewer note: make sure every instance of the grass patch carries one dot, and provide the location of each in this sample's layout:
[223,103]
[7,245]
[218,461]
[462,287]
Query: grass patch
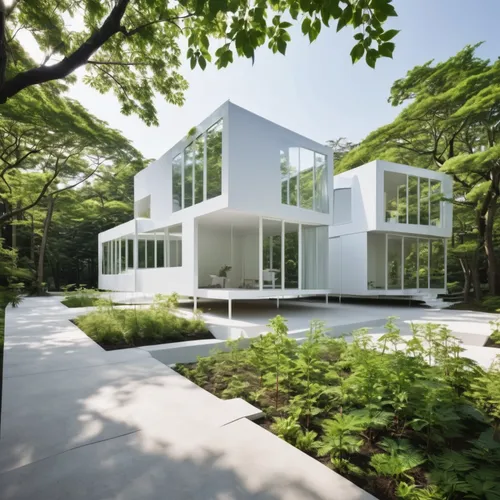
[80,297]
[488,305]
[401,418]
[114,328]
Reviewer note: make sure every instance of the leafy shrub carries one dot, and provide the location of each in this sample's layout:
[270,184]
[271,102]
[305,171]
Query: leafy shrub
[119,327]
[80,296]
[402,417]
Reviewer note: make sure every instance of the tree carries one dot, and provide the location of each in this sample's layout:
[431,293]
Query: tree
[451,123]
[341,147]
[133,46]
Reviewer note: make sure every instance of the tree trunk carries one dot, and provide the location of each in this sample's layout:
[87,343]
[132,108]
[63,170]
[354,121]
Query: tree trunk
[43,244]
[32,239]
[467,278]
[489,247]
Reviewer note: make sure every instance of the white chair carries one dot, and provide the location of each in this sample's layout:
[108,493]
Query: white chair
[269,276]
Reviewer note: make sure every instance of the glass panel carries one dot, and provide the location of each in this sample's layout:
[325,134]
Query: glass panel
[188,175]
[160,260]
[199,147]
[376,261]
[175,244]
[291,255]
[150,253]
[423,263]
[117,256]
[314,257]
[271,253]
[306,187]
[394,263]
[293,167]
[395,197]
[412,199]
[177,183]
[321,184]
[437,264]
[142,254]
[424,202]
[104,258]
[214,160]
[284,177]
[123,255]
[410,263]
[435,203]
[130,263]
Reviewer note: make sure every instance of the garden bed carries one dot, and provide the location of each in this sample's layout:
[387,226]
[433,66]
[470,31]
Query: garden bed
[117,328]
[401,419]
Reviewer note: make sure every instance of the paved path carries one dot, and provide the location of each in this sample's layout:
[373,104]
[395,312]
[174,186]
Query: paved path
[82,423]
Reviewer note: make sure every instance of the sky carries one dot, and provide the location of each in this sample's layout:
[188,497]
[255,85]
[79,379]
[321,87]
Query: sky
[314,90]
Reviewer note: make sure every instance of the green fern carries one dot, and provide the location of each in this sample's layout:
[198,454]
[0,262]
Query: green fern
[400,459]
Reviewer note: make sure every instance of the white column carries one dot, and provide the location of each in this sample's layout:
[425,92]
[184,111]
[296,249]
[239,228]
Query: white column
[300,257]
[261,255]
[182,180]
[146,252]
[278,303]
[445,243]
[386,257]
[119,255]
[126,254]
[418,263]
[165,251]
[418,200]
[167,247]
[402,261]
[407,200]
[205,166]
[429,250]
[282,254]
[195,303]
[271,252]
[230,308]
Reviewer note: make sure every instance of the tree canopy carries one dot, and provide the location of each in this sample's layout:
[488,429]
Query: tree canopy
[451,123]
[133,47]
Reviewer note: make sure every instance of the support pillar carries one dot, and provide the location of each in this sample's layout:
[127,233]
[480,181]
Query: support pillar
[195,303]
[230,308]
[326,298]
[278,303]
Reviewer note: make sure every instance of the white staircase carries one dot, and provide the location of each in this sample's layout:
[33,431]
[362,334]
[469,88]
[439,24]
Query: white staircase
[433,301]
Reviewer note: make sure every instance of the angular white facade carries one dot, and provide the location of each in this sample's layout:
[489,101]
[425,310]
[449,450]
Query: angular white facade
[239,192]
[244,209]
[390,228]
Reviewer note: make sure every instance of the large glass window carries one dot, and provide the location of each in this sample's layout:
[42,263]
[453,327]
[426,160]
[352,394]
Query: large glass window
[293,168]
[437,264]
[104,258]
[271,253]
[175,245]
[214,160]
[306,187]
[321,183]
[410,263]
[199,161]
[435,210]
[188,175]
[142,253]
[130,255]
[160,252]
[123,255]
[304,179]
[150,252]
[412,199]
[424,201]
[395,197]
[177,183]
[291,255]
[314,257]
[394,263]
[423,263]
[376,261]
[284,177]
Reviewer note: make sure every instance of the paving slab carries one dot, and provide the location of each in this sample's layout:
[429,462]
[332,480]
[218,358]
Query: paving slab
[79,422]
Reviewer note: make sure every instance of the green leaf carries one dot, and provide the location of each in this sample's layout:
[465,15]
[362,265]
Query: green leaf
[386,49]
[357,52]
[371,57]
[192,63]
[281,46]
[202,62]
[306,25]
[388,35]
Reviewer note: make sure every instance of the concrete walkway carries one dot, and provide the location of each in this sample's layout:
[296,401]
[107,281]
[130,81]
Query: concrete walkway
[82,423]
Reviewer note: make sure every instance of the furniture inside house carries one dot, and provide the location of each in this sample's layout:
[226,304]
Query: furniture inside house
[219,281]
[269,278]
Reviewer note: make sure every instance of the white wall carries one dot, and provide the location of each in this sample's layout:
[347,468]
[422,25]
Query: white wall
[254,167]
[214,251]
[348,264]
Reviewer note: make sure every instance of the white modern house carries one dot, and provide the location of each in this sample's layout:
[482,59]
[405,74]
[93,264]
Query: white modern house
[389,232]
[242,208]
[239,209]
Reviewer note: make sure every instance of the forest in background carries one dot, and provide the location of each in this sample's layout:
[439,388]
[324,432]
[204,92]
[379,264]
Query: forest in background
[66,175]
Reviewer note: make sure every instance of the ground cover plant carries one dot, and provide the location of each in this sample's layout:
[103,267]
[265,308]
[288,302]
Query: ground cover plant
[401,417]
[494,338]
[117,328]
[80,296]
